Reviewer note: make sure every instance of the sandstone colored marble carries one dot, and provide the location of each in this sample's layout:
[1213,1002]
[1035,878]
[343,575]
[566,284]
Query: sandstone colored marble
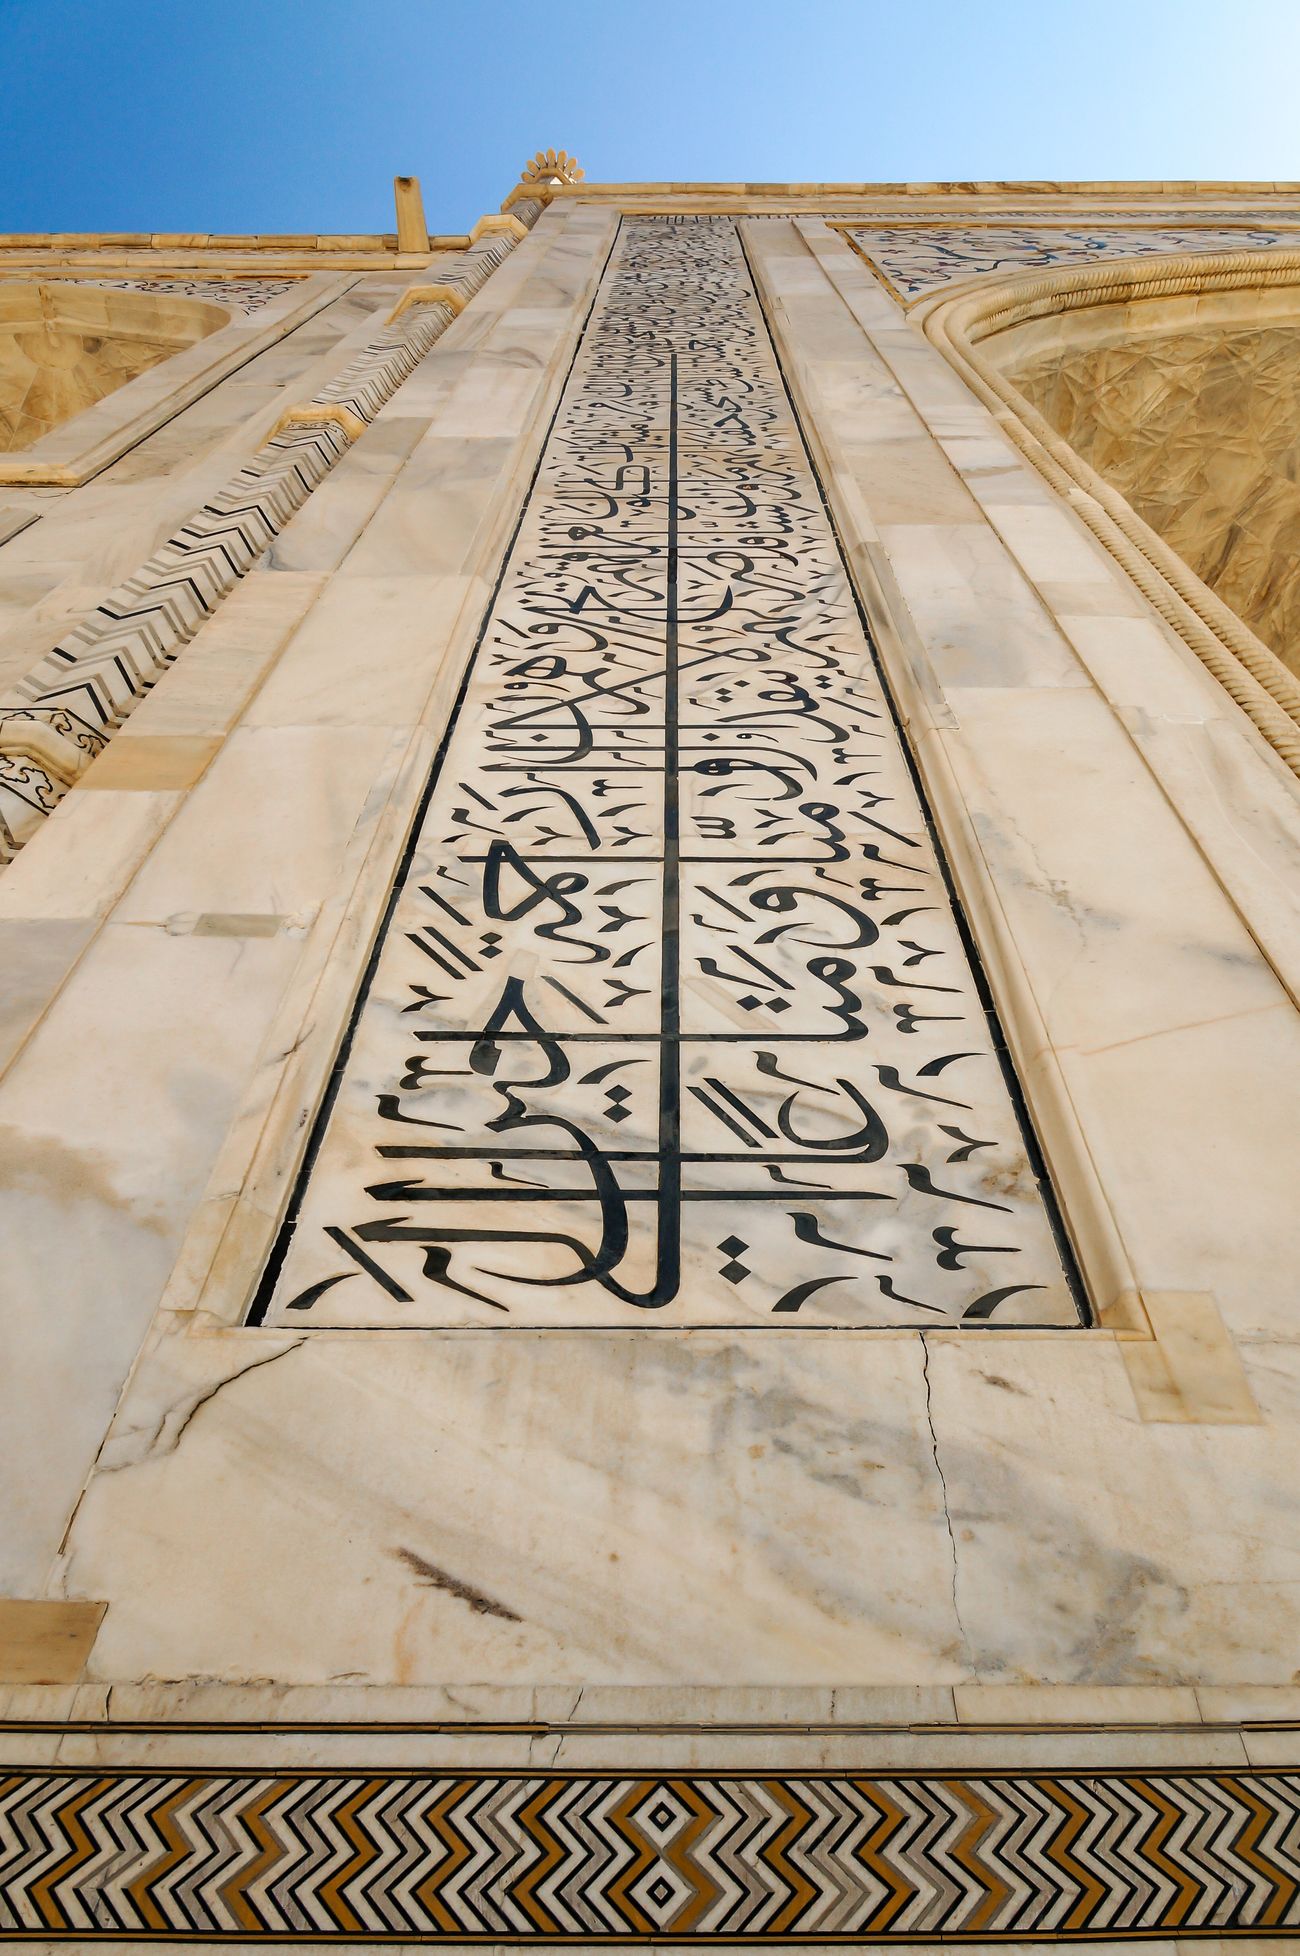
[63,348]
[46,1643]
[1197,429]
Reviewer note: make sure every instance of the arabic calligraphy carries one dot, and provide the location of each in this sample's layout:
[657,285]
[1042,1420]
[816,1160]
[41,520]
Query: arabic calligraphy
[921,261]
[672,1023]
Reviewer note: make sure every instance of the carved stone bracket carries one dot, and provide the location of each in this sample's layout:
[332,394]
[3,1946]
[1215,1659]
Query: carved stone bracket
[430,295]
[498,225]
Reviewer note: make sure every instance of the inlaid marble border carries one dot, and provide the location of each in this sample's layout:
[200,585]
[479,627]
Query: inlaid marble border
[915,263]
[242,295]
[540,1857]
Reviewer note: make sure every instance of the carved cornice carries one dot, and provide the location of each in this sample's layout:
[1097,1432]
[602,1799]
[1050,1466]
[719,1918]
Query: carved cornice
[24,737]
[309,413]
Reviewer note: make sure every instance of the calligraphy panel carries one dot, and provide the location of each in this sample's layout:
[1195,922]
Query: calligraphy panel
[673,1022]
[918,262]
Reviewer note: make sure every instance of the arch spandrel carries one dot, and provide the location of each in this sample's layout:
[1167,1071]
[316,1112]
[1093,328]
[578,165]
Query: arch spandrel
[64,347]
[1196,422]
[1154,399]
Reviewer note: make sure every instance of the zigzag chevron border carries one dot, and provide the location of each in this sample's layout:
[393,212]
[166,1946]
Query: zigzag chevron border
[84,689]
[536,1857]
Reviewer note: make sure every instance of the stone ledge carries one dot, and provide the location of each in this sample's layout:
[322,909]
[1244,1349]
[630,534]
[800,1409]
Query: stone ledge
[965,1707]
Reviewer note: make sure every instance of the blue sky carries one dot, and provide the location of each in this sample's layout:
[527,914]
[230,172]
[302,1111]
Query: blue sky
[294,115]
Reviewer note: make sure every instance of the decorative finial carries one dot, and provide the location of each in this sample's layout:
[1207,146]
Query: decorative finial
[552,166]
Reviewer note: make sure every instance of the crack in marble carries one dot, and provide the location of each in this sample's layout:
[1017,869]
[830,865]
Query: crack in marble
[947,1515]
[152,1450]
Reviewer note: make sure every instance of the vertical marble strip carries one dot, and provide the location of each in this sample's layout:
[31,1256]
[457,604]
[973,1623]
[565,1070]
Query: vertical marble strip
[672,1021]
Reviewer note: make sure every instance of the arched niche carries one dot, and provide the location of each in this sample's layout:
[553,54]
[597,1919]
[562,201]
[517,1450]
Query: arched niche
[65,345]
[1162,398]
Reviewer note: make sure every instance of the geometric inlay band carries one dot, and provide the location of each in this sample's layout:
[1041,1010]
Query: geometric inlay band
[557,1857]
[672,1021]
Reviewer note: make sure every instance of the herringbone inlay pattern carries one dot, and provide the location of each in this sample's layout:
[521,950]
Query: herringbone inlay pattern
[578,1857]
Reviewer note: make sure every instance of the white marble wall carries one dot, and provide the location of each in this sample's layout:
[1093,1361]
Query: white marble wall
[176,887]
[705,1509]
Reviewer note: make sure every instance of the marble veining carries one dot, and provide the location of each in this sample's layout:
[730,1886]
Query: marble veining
[672,1021]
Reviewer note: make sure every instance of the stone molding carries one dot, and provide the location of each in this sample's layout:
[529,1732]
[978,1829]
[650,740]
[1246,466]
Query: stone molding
[497,225]
[905,1714]
[84,689]
[40,742]
[1249,672]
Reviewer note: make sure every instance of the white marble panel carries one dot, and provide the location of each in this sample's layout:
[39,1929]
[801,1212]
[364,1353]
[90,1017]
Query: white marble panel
[36,955]
[982,625]
[319,536]
[434,520]
[85,854]
[1135,1553]
[204,693]
[265,830]
[368,654]
[109,1120]
[536,1507]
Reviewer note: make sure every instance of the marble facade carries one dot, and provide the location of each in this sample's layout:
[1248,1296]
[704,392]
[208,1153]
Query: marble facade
[649,1061]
